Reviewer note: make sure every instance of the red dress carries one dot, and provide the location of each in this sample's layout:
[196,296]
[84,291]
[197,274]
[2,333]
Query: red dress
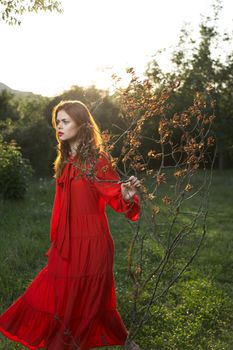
[71,303]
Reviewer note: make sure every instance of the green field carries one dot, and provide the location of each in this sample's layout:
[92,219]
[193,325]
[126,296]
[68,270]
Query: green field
[198,311]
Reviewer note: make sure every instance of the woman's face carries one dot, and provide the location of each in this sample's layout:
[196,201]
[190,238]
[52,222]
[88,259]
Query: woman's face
[66,126]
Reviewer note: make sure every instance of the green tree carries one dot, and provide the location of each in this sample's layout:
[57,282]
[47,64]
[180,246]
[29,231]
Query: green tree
[32,132]
[199,68]
[10,11]
[7,106]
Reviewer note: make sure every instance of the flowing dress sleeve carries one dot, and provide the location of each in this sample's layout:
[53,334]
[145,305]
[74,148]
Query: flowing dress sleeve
[106,180]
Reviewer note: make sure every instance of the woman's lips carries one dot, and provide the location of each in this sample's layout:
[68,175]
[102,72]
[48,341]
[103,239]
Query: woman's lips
[60,133]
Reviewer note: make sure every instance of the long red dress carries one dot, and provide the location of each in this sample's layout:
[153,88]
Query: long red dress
[71,303]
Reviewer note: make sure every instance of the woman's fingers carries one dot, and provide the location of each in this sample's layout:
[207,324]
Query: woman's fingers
[134,181]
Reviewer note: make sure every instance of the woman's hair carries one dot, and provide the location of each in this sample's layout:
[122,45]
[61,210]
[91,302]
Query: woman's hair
[89,140]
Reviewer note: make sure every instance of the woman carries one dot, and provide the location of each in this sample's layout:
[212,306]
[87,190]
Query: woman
[71,303]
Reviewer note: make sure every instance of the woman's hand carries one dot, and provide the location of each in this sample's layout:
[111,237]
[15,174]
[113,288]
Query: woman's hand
[129,188]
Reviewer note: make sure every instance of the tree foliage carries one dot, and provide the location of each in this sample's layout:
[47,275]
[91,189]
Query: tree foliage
[7,106]
[11,11]
[22,119]
[199,65]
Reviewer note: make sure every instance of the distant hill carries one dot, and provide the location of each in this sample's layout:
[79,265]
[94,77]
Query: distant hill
[16,92]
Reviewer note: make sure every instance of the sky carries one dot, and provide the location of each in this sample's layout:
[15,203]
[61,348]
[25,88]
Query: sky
[91,40]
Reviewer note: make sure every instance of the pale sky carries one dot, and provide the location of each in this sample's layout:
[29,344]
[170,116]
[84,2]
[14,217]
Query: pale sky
[91,39]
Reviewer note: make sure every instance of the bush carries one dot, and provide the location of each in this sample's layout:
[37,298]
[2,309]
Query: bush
[15,171]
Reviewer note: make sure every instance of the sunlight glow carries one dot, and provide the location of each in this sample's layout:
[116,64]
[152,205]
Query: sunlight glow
[92,40]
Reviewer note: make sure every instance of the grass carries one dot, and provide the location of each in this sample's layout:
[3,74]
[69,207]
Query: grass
[25,239]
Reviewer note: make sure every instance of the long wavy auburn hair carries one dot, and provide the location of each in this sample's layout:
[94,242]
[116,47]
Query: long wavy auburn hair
[89,141]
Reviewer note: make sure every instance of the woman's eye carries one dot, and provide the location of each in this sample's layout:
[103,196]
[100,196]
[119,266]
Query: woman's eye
[63,121]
